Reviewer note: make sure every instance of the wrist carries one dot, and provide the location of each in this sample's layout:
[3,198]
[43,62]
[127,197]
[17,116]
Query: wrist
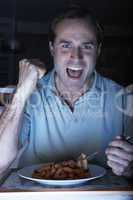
[19,98]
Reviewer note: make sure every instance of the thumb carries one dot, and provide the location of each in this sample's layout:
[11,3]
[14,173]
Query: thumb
[41,72]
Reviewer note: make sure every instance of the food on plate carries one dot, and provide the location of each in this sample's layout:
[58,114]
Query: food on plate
[65,170]
[82,161]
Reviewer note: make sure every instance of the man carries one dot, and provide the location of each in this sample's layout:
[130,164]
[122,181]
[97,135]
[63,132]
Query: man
[72,109]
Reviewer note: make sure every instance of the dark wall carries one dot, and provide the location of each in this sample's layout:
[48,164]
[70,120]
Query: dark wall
[116,59]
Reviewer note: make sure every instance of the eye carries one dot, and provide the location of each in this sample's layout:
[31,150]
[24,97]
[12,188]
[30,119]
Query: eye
[88,46]
[66,45]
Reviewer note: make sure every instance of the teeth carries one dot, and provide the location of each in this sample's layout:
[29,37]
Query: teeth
[73,68]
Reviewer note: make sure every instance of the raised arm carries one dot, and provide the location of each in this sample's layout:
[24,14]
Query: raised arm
[11,118]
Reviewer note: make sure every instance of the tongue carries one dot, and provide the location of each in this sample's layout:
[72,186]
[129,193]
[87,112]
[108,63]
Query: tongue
[74,73]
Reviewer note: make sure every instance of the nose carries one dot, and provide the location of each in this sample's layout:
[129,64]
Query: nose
[76,53]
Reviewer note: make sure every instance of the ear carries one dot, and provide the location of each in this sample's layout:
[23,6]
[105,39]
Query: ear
[51,48]
[99,49]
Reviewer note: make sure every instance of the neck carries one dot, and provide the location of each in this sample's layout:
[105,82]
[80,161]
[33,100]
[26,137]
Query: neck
[70,96]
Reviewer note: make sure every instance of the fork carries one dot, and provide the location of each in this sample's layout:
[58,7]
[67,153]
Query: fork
[88,157]
[91,156]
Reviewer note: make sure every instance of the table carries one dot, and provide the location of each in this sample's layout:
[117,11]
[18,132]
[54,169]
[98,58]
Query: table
[108,187]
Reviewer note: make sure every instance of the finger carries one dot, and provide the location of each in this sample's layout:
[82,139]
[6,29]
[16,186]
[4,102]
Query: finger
[116,167]
[37,65]
[41,72]
[30,66]
[40,67]
[37,62]
[119,153]
[117,172]
[23,61]
[118,160]
[20,64]
[122,144]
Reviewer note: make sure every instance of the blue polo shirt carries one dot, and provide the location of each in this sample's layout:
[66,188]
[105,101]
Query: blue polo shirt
[54,133]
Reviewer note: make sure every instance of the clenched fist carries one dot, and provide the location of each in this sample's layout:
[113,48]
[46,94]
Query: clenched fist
[30,70]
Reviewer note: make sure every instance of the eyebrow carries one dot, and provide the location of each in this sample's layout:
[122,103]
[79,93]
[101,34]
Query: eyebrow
[64,41]
[90,42]
[87,42]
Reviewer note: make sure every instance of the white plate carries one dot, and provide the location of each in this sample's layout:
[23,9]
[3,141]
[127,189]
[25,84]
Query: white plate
[95,170]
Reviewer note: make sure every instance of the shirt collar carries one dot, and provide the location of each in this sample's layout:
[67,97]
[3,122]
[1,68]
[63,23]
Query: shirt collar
[48,82]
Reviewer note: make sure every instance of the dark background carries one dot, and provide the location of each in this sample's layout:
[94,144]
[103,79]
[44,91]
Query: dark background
[27,22]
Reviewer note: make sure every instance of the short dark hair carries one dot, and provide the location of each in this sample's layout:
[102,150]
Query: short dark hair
[74,12]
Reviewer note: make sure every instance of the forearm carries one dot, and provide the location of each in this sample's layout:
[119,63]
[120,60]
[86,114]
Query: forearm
[10,122]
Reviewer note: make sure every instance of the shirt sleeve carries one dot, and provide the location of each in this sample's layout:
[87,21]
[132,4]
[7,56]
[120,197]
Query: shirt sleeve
[128,114]
[24,133]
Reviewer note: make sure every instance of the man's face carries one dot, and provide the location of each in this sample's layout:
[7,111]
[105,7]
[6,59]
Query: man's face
[74,52]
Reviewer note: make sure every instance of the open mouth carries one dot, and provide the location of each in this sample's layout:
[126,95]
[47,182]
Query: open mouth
[74,73]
